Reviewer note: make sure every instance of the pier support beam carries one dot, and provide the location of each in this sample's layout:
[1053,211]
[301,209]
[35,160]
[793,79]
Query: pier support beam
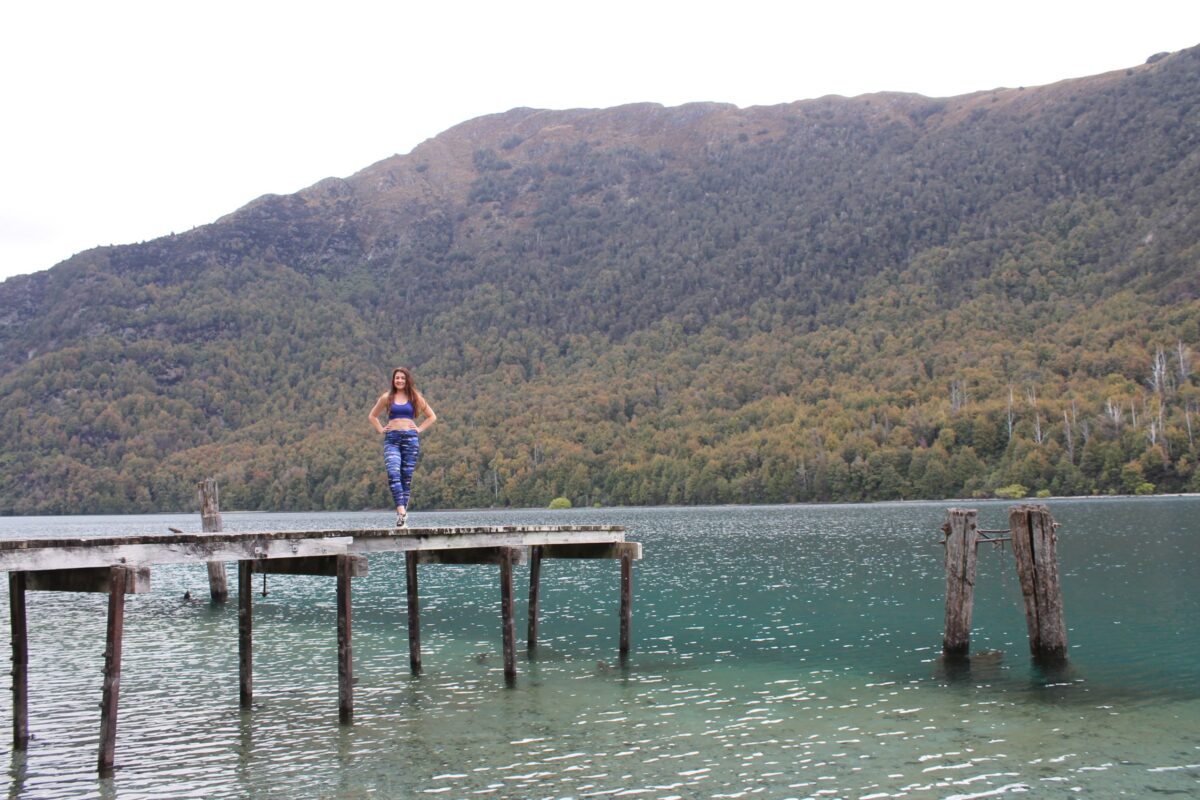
[1035,547]
[210,521]
[414,614]
[962,533]
[112,668]
[345,571]
[506,614]
[245,631]
[535,580]
[20,660]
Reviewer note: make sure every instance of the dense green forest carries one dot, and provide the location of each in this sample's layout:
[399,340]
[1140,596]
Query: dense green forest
[872,298]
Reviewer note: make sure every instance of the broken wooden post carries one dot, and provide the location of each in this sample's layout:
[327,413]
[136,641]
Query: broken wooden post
[112,667]
[20,659]
[506,614]
[210,522]
[414,614]
[962,533]
[245,630]
[1035,547]
[535,579]
[626,600]
[345,571]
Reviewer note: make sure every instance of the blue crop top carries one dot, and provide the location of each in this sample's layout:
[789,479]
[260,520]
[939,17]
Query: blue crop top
[400,410]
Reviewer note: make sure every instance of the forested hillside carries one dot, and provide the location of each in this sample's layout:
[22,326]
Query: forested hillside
[880,297]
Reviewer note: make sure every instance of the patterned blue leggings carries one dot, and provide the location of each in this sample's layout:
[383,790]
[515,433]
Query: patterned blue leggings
[401,451]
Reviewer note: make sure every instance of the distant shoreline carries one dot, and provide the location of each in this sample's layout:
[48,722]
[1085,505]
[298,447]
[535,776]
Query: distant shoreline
[947,500]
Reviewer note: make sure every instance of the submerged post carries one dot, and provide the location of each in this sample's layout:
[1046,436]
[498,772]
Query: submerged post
[506,614]
[962,532]
[1035,547]
[112,668]
[245,629]
[20,659]
[210,522]
[626,600]
[414,614]
[535,579]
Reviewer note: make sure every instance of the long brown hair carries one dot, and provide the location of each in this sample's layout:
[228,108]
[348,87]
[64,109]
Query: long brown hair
[410,386]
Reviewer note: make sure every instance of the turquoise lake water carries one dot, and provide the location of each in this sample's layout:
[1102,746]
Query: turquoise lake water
[779,652]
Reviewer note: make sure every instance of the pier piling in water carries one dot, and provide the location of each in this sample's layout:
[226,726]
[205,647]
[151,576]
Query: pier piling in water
[1035,547]
[345,571]
[114,638]
[962,532]
[626,601]
[20,659]
[509,634]
[245,633]
[210,522]
[1032,532]
[535,589]
[414,614]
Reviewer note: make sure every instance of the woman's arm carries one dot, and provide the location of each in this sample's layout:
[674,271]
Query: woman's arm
[376,410]
[430,418]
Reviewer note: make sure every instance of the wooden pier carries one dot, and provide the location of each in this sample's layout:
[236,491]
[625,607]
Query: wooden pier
[120,565]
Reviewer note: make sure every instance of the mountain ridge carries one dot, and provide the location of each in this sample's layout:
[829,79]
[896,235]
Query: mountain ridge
[827,299]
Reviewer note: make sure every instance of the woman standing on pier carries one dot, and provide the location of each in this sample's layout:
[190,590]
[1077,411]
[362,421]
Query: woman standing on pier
[402,442]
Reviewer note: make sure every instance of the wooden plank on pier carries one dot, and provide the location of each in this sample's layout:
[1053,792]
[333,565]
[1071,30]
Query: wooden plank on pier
[184,547]
[210,521]
[310,565]
[473,555]
[1035,548]
[962,533]
[87,579]
[20,659]
[593,550]
[423,539]
[112,668]
[33,554]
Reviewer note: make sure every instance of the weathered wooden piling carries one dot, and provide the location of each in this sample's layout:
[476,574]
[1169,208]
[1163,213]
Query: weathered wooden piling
[1035,547]
[626,600]
[112,668]
[245,634]
[345,567]
[506,614]
[414,614]
[962,532]
[20,659]
[535,580]
[210,522]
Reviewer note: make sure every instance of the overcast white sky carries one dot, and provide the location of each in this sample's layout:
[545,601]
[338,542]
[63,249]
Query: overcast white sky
[123,121]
